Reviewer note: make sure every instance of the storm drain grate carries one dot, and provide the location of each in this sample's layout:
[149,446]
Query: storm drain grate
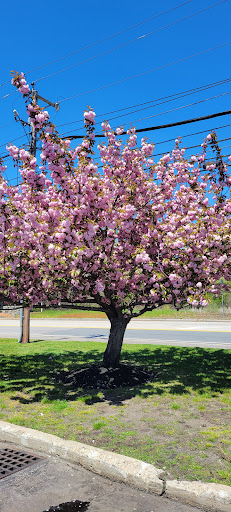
[15,460]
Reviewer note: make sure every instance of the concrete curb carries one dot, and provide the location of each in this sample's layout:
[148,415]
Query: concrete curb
[211,497]
[111,465]
[214,497]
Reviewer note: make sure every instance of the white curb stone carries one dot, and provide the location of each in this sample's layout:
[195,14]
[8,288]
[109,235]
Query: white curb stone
[111,465]
[207,496]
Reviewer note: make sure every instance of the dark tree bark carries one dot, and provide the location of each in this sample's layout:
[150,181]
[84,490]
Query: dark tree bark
[112,353]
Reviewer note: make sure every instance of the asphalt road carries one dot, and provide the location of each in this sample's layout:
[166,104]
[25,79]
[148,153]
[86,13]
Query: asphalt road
[214,334]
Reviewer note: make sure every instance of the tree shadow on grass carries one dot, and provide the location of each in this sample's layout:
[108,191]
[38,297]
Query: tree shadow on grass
[177,369]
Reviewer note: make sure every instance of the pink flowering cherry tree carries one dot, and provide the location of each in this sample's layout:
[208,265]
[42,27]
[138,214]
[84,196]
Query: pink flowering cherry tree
[132,236]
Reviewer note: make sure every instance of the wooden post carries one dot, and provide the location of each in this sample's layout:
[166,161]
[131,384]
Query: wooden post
[26,311]
[26,325]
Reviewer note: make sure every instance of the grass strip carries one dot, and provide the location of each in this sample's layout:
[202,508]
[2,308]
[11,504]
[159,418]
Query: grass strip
[181,422]
[164,312]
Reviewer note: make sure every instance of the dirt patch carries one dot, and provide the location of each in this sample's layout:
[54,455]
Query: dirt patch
[171,433]
[99,377]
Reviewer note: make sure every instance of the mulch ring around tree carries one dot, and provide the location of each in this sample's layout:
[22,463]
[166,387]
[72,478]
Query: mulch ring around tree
[97,376]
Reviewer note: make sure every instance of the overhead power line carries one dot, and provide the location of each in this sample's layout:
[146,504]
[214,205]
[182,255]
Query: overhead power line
[167,99]
[4,156]
[102,40]
[187,121]
[169,125]
[151,128]
[6,125]
[7,95]
[12,140]
[195,133]
[180,108]
[125,44]
[170,140]
[162,113]
[146,72]
[128,42]
[183,147]
[197,146]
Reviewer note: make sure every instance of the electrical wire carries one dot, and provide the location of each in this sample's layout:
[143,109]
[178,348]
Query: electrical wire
[223,147]
[26,134]
[161,141]
[195,133]
[12,179]
[183,147]
[6,125]
[12,140]
[158,142]
[105,39]
[164,141]
[172,97]
[115,48]
[223,156]
[179,123]
[194,147]
[208,159]
[7,95]
[169,125]
[127,43]
[146,72]
[120,46]
[183,106]
[160,113]
[161,126]
[187,121]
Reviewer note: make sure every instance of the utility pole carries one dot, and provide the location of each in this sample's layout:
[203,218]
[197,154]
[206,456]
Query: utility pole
[25,311]
[222,281]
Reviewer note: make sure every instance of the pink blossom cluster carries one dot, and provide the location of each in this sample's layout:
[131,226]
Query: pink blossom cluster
[147,149]
[119,130]
[133,235]
[13,150]
[19,81]
[89,117]
[40,119]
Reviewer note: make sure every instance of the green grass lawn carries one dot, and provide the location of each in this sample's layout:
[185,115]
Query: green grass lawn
[67,313]
[165,312]
[180,422]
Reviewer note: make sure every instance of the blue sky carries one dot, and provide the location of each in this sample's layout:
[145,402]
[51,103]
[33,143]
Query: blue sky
[36,34]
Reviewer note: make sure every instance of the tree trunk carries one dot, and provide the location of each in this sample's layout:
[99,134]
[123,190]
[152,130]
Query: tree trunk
[112,353]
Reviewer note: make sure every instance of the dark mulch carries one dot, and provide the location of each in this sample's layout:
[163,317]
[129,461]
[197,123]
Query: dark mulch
[97,376]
